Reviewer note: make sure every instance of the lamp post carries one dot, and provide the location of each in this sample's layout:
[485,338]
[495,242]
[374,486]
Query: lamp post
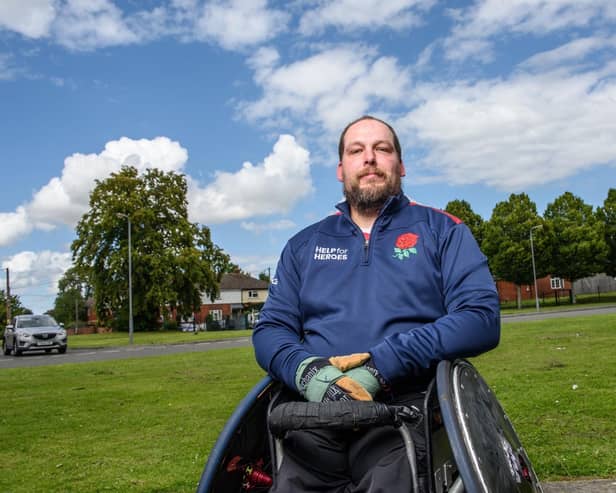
[532,255]
[130,282]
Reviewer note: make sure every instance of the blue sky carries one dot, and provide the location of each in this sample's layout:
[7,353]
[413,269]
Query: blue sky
[247,99]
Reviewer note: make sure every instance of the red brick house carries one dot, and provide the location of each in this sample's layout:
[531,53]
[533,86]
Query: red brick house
[547,286]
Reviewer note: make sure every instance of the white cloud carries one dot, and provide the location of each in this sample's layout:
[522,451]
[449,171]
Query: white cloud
[64,199]
[90,24]
[31,18]
[329,88]
[236,24]
[35,275]
[350,15]
[479,24]
[259,228]
[14,226]
[531,129]
[83,25]
[274,186]
[579,51]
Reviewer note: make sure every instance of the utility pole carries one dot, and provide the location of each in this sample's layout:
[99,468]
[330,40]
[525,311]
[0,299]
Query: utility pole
[130,281]
[8,298]
[76,315]
[532,255]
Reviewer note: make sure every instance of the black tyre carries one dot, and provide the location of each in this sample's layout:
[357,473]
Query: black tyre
[48,351]
[16,350]
[5,348]
[62,350]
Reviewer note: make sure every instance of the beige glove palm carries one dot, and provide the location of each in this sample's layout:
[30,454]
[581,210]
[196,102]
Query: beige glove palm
[346,362]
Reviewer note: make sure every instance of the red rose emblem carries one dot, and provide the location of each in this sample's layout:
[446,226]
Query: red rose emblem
[407,240]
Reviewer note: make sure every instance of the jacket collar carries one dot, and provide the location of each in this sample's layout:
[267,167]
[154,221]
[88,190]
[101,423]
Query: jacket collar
[393,204]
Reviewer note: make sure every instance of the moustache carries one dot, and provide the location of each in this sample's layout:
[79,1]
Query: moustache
[374,171]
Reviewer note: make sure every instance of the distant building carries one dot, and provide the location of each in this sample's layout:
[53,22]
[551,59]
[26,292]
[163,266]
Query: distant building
[547,286]
[237,307]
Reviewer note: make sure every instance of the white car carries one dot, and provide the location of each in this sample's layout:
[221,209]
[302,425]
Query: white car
[33,333]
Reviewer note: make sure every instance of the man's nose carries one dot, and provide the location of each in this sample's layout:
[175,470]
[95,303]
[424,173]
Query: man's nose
[369,157]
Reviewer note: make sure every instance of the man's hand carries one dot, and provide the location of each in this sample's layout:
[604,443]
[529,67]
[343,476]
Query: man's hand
[319,381]
[345,363]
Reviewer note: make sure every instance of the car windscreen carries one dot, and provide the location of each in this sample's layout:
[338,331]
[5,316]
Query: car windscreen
[39,321]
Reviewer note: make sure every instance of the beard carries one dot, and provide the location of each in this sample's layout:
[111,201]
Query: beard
[371,198]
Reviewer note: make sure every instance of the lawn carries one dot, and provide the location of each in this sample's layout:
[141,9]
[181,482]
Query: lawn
[159,337]
[147,424]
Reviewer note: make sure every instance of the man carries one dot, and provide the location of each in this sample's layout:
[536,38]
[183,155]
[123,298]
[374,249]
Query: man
[364,304]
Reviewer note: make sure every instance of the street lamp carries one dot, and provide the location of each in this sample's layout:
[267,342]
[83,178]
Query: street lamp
[532,255]
[130,282]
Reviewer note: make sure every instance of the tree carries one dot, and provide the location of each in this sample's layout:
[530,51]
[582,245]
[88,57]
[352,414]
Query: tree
[72,293]
[506,242]
[174,262]
[579,248]
[463,210]
[16,307]
[607,214]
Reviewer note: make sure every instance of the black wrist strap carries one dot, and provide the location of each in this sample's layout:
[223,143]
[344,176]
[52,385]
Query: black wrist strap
[369,365]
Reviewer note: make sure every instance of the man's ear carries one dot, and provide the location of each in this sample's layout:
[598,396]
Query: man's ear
[339,172]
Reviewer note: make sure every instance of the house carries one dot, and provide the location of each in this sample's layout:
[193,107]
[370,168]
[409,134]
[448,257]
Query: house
[237,307]
[546,286]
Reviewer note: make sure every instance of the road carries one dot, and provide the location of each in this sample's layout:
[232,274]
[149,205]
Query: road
[122,352]
[580,312]
[98,354]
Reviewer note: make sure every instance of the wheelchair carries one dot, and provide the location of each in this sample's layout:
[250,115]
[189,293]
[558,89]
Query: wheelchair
[472,446]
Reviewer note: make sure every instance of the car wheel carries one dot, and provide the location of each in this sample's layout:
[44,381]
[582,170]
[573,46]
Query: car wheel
[62,350]
[5,348]
[48,351]
[16,350]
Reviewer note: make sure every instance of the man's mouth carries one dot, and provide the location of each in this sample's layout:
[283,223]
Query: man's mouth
[371,175]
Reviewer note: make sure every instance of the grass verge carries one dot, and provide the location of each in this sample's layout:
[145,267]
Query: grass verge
[147,424]
[114,339]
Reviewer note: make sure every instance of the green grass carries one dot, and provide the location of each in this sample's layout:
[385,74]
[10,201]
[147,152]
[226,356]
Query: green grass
[127,425]
[147,424]
[158,337]
[557,381]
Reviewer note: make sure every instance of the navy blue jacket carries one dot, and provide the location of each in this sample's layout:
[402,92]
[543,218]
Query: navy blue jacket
[417,292]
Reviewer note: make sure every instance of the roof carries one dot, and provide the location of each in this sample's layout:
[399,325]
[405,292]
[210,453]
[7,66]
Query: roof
[241,281]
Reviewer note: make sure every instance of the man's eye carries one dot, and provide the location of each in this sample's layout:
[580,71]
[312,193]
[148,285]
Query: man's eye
[354,151]
[383,149]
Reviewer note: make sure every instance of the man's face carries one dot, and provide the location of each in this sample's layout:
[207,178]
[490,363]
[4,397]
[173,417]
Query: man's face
[370,169]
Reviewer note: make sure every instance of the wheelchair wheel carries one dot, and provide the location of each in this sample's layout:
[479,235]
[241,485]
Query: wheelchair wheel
[486,448]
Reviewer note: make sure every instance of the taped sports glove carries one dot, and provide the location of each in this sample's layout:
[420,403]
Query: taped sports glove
[345,363]
[368,376]
[318,381]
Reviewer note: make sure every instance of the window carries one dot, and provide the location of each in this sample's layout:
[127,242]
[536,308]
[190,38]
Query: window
[253,294]
[216,315]
[556,283]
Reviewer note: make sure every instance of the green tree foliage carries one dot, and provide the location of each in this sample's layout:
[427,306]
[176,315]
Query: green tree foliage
[607,214]
[463,210]
[174,262]
[72,293]
[506,241]
[579,248]
[16,307]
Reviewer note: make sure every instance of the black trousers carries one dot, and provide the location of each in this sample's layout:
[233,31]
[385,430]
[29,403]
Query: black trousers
[366,461]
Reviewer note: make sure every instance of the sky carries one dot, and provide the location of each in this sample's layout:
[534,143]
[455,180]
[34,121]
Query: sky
[247,99]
